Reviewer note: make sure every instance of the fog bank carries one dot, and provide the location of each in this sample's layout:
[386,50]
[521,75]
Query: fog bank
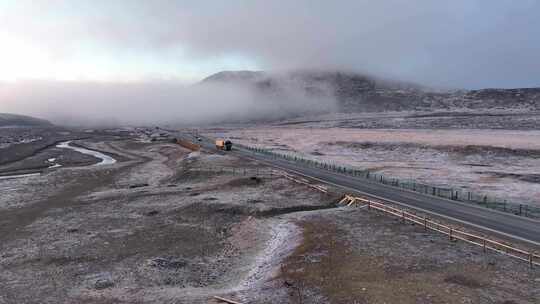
[457,44]
[154,102]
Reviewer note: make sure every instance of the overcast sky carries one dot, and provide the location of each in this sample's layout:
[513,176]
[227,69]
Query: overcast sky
[458,43]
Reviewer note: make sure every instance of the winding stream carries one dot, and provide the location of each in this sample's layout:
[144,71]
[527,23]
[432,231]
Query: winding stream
[105,159]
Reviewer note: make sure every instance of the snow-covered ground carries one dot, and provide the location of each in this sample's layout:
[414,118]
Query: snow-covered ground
[6,142]
[18,176]
[499,163]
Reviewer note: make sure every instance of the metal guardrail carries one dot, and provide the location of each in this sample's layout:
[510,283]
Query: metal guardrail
[299,181]
[454,234]
[188,145]
[448,193]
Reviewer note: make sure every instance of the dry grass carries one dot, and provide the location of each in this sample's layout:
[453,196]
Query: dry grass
[327,265]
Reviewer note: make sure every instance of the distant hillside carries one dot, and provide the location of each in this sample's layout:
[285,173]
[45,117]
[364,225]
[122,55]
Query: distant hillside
[21,121]
[363,93]
[235,76]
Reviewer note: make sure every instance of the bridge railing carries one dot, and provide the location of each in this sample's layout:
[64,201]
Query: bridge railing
[453,233]
[187,144]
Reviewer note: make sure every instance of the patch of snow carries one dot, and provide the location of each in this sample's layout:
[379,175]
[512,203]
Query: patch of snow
[193,155]
[285,238]
[19,176]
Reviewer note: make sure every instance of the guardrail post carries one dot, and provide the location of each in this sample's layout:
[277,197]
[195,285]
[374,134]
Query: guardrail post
[527,256]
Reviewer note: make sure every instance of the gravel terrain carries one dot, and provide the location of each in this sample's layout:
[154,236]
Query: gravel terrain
[149,229]
[352,255]
[169,225]
[509,119]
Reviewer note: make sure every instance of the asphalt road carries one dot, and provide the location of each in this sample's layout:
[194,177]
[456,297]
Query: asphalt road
[504,224]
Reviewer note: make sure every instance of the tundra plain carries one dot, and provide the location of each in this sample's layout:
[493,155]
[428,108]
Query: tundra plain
[495,154]
[168,225]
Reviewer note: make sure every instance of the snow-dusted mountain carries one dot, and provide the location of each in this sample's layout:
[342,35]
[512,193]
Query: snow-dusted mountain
[15,120]
[359,93]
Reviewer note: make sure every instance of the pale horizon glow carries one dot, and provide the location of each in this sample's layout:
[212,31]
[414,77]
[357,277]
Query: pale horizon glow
[21,60]
[453,44]
[60,40]
[110,62]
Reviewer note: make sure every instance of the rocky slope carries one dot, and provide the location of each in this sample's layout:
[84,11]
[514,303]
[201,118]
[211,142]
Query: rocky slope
[362,93]
[14,120]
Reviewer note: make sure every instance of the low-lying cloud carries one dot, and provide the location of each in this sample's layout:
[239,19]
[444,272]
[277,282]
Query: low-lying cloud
[458,43]
[155,103]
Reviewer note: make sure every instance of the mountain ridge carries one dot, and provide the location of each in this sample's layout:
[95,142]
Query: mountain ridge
[17,120]
[364,93]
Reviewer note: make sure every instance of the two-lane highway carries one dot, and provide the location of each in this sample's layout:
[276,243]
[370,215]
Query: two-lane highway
[504,224]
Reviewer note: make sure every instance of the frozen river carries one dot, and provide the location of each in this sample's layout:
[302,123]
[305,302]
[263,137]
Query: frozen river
[105,159]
